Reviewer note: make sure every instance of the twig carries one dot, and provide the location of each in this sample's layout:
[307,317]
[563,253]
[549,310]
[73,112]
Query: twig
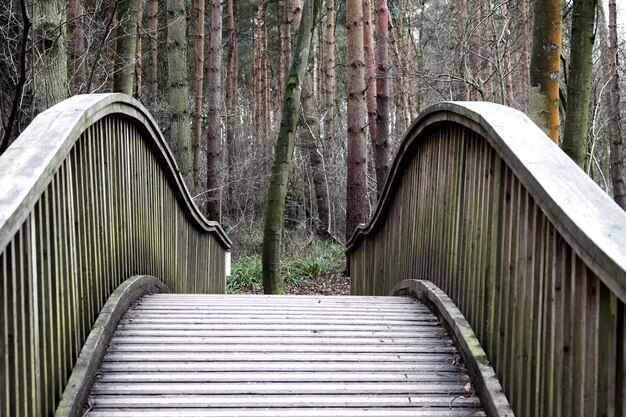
[19,88]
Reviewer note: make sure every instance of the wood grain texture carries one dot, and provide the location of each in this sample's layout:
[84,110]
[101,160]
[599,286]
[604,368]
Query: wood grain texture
[90,196]
[533,253]
[271,368]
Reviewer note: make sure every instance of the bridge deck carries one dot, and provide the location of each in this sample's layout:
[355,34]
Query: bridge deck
[197,355]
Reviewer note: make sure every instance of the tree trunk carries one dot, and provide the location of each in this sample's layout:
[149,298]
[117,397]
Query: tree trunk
[283,153]
[139,53]
[545,67]
[370,73]
[198,93]
[76,46]
[310,141]
[355,193]
[381,148]
[232,140]
[50,83]
[617,158]
[579,81]
[153,27]
[214,136]
[525,53]
[329,120]
[178,89]
[125,46]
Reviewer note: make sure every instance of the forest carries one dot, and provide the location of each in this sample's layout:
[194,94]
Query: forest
[284,115]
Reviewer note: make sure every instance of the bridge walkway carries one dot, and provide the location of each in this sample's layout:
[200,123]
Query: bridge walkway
[216,355]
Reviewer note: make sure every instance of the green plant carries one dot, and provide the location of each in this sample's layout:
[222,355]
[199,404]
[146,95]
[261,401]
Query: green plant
[246,272]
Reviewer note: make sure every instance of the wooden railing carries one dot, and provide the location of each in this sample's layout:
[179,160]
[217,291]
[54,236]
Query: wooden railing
[481,203]
[89,196]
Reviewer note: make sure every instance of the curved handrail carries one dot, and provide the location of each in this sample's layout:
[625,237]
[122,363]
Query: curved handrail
[482,204]
[90,195]
[591,222]
[29,162]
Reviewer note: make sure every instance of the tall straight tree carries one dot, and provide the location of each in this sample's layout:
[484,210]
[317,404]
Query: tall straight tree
[617,157]
[283,152]
[125,46]
[545,67]
[214,128]
[232,139]
[153,27]
[381,148]
[198,83]
[370,71]
[76,45]
[579,81]
[355,193]
[329,120]
[178,88]
[50,53]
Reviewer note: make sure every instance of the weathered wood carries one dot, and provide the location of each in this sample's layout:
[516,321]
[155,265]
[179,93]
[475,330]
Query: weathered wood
[345,364]
[528,247]
[90,196]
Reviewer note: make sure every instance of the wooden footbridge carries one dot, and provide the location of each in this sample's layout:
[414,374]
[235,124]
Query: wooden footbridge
[490,281]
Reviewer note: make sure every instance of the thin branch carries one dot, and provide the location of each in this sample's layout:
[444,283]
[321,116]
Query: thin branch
[19,88]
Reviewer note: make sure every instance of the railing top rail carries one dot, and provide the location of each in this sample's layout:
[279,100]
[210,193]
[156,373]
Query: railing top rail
[28,164]
[585,215]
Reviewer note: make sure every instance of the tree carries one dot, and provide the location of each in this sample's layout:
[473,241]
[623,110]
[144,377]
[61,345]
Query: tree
[370,73]
[579,81]
[76,45]
[355,193]
[125,47]
[50,54]
[153,26]
[283,153]
[545,65]
[617,158]
[198,83]
[178,89]
[329,85]
[381,147]
[214,128]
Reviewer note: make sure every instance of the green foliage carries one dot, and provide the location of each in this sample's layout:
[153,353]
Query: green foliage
[313,261]
[246,272]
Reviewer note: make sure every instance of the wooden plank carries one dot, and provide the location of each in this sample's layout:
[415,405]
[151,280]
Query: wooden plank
[292,412]
[182,366]
[189,389]
[270,356]
[293,376]
[278,340]
[129,401]
[301,348]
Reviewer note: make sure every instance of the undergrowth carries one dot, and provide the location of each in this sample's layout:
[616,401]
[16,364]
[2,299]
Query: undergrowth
[300,262]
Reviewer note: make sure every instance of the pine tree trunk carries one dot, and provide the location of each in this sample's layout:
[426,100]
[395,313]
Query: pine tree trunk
[283,154]
[355,193]
[381,148]
[153,26]
[76,46]
[617,156]
[579,81]
[545,65]
[214,128]
[139,53]
[329,120]
[178,89]
[310,141]
[125,46]
[231,100]
[370,72]
[525,54]
[198,93]
[50,84]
